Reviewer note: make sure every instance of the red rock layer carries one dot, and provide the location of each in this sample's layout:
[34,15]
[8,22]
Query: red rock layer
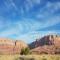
[48,44]
[8,46]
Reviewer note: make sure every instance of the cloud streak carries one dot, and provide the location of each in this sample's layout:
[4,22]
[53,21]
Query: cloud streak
[28,29]
[26,19]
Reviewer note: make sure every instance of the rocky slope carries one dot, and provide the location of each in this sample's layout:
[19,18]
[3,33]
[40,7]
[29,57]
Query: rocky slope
[49,44]
[8,46]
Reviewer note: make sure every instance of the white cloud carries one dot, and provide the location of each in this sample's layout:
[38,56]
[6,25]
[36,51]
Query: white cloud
[27,25]
[48,21]
[26,29]
[49,9]
[29,4]
[10,4]
[53,6]
[52,21]
[32,36]
[13,4]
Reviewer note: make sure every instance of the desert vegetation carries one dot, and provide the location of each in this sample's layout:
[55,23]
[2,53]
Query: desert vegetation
[29,57]
[25,51]
[40,51]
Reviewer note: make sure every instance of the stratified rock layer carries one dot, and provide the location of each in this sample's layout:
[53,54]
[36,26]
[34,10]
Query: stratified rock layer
[8,46]
[48,44]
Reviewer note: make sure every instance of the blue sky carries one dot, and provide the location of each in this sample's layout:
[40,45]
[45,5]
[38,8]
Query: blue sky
[29,19]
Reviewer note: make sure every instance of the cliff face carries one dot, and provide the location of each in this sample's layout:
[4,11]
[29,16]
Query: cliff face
[47,44]
[8,46]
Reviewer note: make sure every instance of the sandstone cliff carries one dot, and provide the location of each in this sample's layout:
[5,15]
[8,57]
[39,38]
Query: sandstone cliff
[49,44]
[8,46]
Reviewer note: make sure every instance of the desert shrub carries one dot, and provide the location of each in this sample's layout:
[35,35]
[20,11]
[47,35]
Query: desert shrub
[25,51]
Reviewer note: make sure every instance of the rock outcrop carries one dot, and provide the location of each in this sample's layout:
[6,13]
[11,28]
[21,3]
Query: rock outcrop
[48,44]
[8,46]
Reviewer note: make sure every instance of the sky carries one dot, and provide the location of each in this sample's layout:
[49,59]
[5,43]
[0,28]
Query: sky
[29,20]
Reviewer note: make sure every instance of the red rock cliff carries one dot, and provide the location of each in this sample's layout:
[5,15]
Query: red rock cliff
[8,46]
[48,44]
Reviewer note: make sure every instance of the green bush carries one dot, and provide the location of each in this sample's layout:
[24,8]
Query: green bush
[25,51]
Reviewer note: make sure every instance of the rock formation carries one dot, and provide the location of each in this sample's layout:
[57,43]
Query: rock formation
[49,44]
[8,46]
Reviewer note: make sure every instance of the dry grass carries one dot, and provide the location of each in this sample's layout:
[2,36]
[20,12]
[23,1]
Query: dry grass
[9,57]
[30,57]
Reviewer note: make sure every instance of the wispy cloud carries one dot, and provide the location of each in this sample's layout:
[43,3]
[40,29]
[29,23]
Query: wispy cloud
[14,5]
[53,7]
[31,36]
[27,29]
[9,4]
[50,9]
[33,15]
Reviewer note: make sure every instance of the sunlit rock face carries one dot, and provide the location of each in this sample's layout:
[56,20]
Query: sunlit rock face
[46,40]
[8,46]
[49,44]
